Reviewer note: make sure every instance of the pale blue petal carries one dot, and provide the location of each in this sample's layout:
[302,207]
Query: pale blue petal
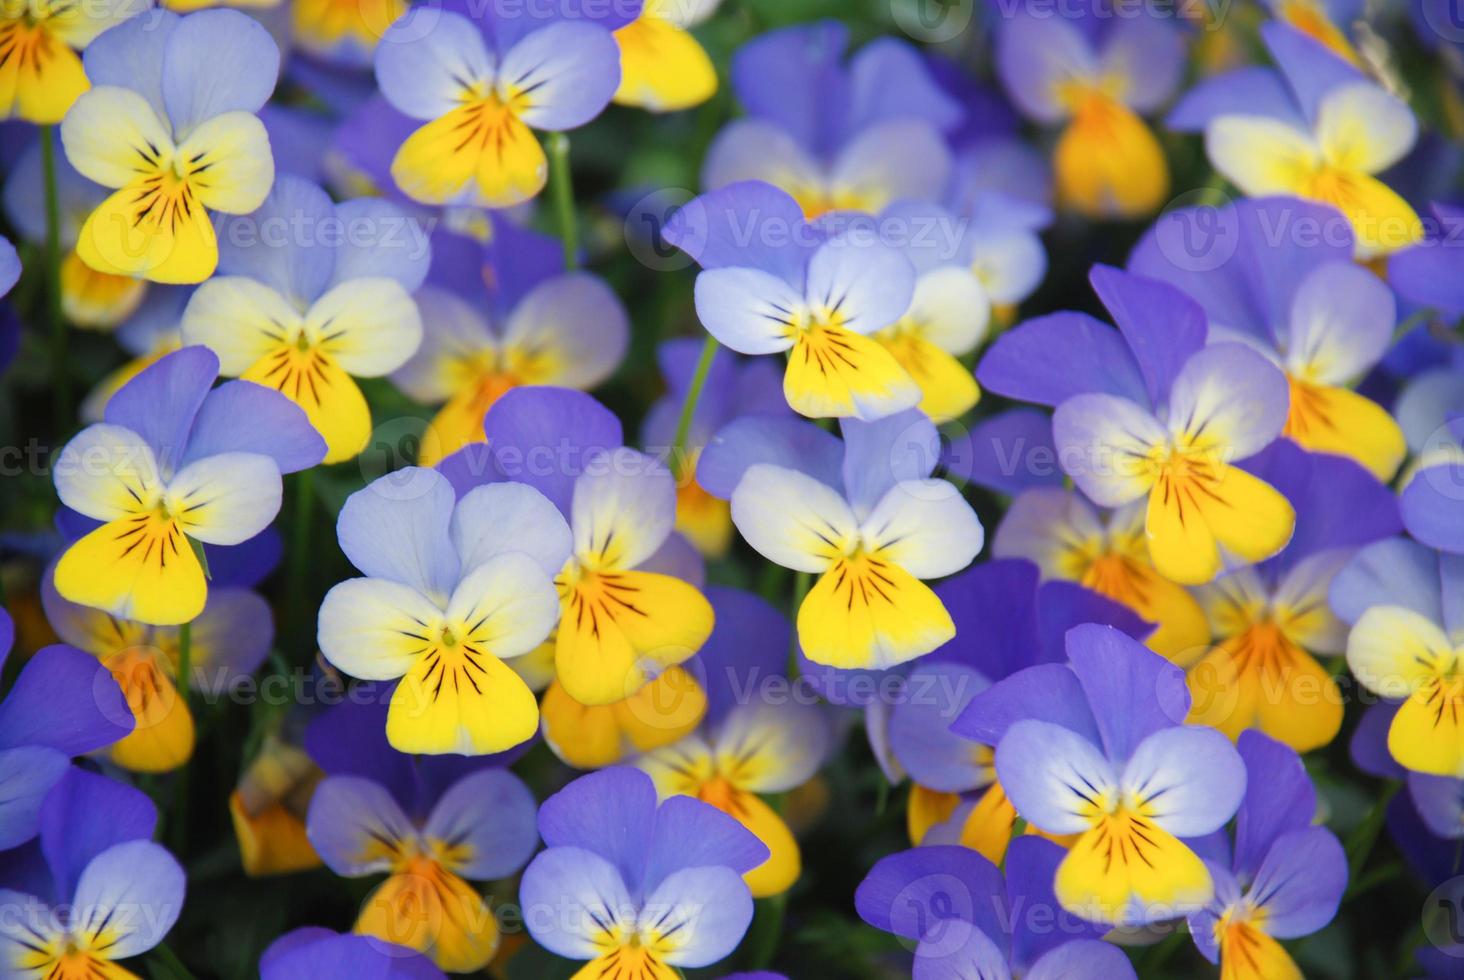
[397,528]
[217,61]
[569,71]
[1191,779]
[491,814]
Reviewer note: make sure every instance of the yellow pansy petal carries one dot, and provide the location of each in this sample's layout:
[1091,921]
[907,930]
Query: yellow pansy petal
[617,625]
[867,613]
[1396,652]
[478,154]
[988,827]
[1427,734]
[229,163]
[1182,633]
[948,390]
[454,701]
[138,568]
[434,911]
[271,841]
[1261,155]
[162,737]
[97,300]
[460,422]
[1127,862]
[41,77]
[631,961]
[927,808]
[1108,162]
[1261,679]
[1381,219]
[1247,953]
[706,521]
[593,736]
[1342,422]
[324,26]
[1311,19]
[1189,515]
[330,397]
[154,228]
[835,373]
[113,134]
[662,67]
[778,873]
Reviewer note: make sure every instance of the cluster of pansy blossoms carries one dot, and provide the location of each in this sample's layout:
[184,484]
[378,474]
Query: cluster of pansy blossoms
[758,489]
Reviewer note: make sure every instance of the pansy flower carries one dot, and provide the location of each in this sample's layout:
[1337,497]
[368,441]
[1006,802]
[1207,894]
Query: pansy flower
[568,330]
[106,892]
[1318,129]
[1406,608]
[771,284]
[733,387]
[41,75]
[229,639]
[431,825]
[175,465]
[1269,620]
[1148,411]
[1326,21]
[869,521]
[1282,879]
[969,919]
[747,747]
[1096,748]
[268,808]
[836,137]
[1005,622]
[632,886]
[662,67]
[90,299]
[1096,76]
[178,139]
[1071,540]
[620,624]
[310,952]
[61,705]
[482,81]
[343,32]
[1299,300]
[308,315]
[450,590]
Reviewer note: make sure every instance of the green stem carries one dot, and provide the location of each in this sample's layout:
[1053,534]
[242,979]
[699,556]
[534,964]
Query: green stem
[802,582]
[299,561]
[170,959]
[766,931]
[185,661]
[563,191]
[1159,954]
[61,378]
[688,407]
[1360,842]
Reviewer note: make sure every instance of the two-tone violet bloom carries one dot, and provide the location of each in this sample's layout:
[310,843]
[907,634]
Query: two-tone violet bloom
[836,137]
[483,77]
[542,326]
[663,68]
[747,746]
[176,464]
[969,919]
[90,299]
[43,77]
[311,295]
[1300,300]
[621,622]
[632,886]
[311,952]
[62,705]
[1150,411]
[1105,550]
[1096,747]
[1282,878]
[733,387]
[1096,76]
[178,139]
[431,824]
[229,639]
[451,589]
[98,890]
[866,517]
[1405,604]
[1270,621]
[772,283]
[1317,129]
[1005,622]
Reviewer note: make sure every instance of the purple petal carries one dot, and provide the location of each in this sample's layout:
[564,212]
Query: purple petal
[397,528]
[1148,54]
[161,402]
[130,55]
[572,68]
[1048,692]
[1031,867]
[545,436]
[234,632]
[65,700]
[310,953]
[954,950]
[747,225]
[920,727]
[1432,506]
[1250,91]
[1052,358]
[1428,274]
[1311,68]
[1161,325]
[7,635]
[611,813]
[877,455]
[349,739]
[1083,959]
[691,834]
[1063,605]
[245,565]
[288,243]
[356,826]
[748,647]
[793,77]
[217,61]
[1440,803]
[1035,55]
[914,892]
[889,80]
[1278,799]
[791,443]
[27,774]
[1300,883]
[274,426]
[1369,744]
[1048,772]
[1393,572]
[1008,452]
[709,906]
[84,815]
[994,607]
[491,813]
[1133,692]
